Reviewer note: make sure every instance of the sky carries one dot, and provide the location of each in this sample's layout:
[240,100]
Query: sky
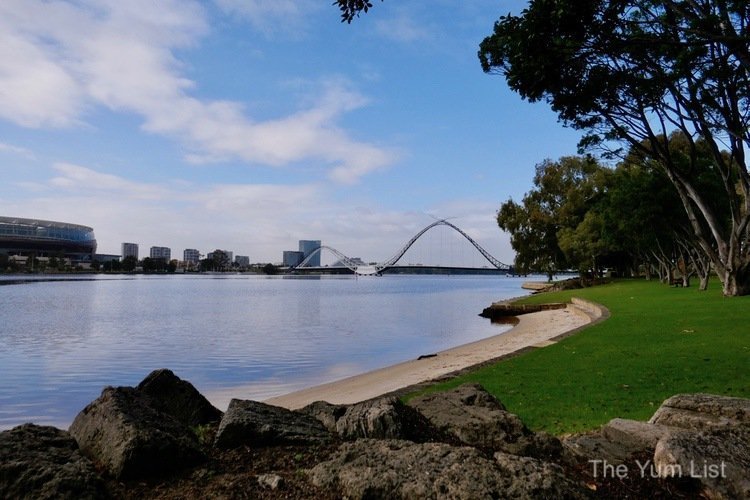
[247,125]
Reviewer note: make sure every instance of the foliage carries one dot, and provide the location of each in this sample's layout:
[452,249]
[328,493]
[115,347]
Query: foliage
[635,71]
[547,228]
[351,8]
[129,263]
[658,342]
[270,269]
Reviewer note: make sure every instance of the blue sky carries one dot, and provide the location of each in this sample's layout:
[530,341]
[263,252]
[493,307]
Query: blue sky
[249,124]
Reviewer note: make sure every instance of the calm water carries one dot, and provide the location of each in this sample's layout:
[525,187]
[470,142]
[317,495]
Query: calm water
[250,337]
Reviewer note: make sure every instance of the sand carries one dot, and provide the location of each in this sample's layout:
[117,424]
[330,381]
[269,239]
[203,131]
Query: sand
[535,330]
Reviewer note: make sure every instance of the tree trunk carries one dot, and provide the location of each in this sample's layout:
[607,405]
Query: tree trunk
[704,281]
[736,283]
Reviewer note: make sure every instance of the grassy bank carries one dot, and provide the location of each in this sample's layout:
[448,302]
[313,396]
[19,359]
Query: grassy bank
[659,341]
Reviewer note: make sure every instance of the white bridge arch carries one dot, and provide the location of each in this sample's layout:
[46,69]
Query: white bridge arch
[376,269]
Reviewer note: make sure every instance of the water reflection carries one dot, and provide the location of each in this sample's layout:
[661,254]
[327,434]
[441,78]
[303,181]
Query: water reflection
[238,336]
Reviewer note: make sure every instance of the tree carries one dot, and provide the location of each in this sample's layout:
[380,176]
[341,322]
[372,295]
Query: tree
[270,269]
[564,191]
[129,263]
[634,71]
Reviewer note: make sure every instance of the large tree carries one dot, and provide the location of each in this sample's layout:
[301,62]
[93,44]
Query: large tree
[635,71]
[550,229]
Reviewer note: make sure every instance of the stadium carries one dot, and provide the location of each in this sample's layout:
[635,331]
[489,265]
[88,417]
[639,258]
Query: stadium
[42,238]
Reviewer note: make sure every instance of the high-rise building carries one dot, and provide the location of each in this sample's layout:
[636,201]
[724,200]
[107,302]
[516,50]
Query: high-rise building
[242,260]
[163,253]
[307,247]
[130,250]
[191,255]
[291,258]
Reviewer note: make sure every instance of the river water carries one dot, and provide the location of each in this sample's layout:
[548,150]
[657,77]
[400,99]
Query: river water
[250,337]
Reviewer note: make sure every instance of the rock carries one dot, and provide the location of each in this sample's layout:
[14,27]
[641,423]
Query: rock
[532,478]
[633,434]
[326,413]
[616,441]
[718,458]
[382,418]
[477,418]
[44,463]
[375,469]
[504,309]
[271,481]
[178,398]
[702,411]
[122,431]
[259,424]
[594,446]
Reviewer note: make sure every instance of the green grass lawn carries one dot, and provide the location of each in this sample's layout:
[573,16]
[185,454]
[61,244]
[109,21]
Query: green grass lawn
[659,341]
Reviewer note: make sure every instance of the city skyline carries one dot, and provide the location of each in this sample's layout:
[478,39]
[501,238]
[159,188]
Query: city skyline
[252,124]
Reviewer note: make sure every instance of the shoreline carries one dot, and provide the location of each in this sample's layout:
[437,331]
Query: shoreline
[533,330]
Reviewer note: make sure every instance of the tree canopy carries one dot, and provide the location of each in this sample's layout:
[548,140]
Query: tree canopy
[636,71]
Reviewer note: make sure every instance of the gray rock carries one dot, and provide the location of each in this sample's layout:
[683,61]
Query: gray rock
[44,463]
[533,478]
[382,418]
[594,446]
[122,431]
[633,434]
[702,411]
[178,398]
[259,424]
[271,481]
[401,469]
[718,458]
[477,418]
[327,413]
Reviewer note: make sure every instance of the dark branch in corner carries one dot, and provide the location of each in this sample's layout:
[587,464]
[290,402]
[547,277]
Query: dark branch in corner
[351,8]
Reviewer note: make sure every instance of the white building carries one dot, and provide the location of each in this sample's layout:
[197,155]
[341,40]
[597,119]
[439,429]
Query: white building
[191,255]
[130,250]
[163,253]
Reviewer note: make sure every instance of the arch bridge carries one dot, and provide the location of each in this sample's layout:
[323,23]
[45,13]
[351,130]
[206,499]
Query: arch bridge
[377,269]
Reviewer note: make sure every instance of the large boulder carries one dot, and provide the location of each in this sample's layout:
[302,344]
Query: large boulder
[179,398]
[390,469]
[702,411]
[718,458]
[634,434]
[616,442]
[328,414]
[259,424]
[44,463]
[476,418]
[123,432]
[383,418]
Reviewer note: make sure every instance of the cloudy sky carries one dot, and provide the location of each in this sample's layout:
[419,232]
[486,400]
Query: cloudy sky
[249,124]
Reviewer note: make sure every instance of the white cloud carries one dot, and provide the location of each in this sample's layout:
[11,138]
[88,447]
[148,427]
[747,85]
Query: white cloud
[270,16]
[404,26]
[81,178]
[9,148]
[58,59]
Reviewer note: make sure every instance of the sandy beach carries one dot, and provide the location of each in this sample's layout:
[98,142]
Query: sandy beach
[535,330]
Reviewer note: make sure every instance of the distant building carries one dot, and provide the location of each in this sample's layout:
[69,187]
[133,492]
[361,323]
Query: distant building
[163,253]
[191,255]
[105,257]
[43,238]
[242,260]
[307,247]
[292,258]
[354,260]
[130,250]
